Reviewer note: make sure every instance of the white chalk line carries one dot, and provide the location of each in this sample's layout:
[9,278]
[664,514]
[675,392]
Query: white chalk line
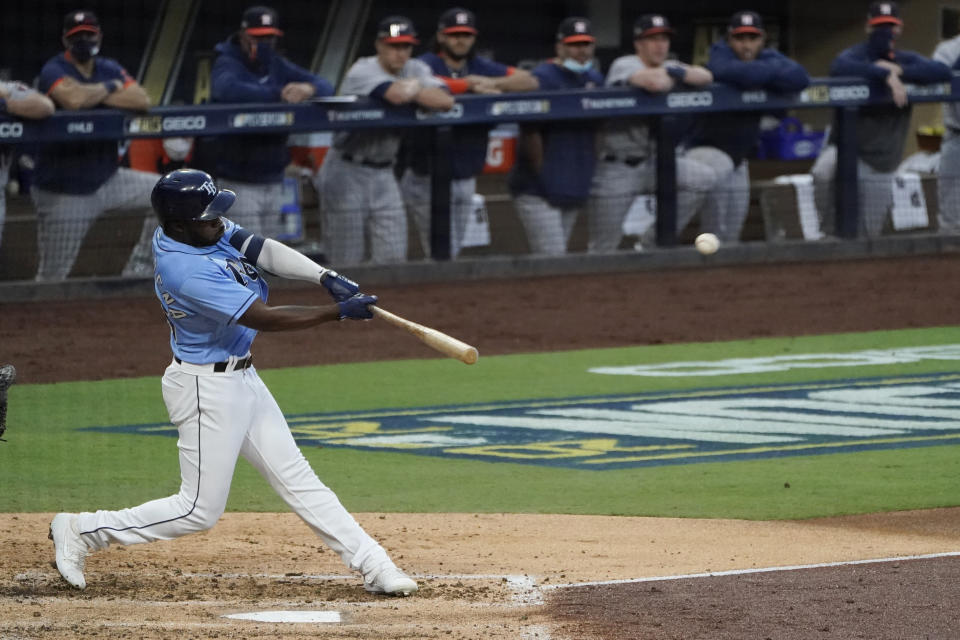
[739,572]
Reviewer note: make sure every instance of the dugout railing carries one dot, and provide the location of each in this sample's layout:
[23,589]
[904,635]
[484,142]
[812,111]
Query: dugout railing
[844,95]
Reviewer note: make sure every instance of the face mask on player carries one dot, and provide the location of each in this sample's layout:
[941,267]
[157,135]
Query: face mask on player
[262,51]
[578,67]
[880,43]
[82,49]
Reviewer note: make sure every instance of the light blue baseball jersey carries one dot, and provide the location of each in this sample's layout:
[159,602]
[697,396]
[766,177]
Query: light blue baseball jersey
[205,290]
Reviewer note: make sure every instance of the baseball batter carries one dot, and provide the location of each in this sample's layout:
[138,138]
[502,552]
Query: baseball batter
[455,62]
[214,299]
[17,99]
[77,182]
[555,161]
[249,69]
[628,161]
[359,193]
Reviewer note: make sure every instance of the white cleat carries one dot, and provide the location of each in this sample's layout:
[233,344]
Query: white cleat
[70,549]
[391,581]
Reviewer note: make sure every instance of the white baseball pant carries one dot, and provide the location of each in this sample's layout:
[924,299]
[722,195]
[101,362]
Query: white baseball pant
[220,416]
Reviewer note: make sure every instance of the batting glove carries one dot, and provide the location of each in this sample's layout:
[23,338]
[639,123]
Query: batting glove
[340,287]
[356,307]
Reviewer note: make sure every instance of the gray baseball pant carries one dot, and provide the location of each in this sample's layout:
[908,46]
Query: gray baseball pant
[416,197]
[616,185]
[258,206]
[948,183]
[874,189]
[4,179]
[725,211]
[361,202]
[63,220]
[548,228]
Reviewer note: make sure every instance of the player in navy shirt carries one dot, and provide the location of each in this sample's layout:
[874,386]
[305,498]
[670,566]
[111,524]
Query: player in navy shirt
[249,69]
[76,182]
[724,140]
[215,301]
[555,161]
[881,129]
[454,60]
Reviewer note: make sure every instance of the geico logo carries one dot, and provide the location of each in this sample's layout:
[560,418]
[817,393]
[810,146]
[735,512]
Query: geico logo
[690,99]
[856,92]
[11,129]
[79,127]
[181,123]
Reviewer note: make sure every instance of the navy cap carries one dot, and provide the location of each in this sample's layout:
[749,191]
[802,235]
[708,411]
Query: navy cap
[575,29]
[82,20]
[397,29]
[746,22]
[458,20]
[651,24]
[261,21]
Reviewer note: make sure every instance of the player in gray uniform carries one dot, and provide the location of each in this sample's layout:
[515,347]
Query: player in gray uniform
[628,154]
[360,196]
[948,182]
[211,292]
[17,99]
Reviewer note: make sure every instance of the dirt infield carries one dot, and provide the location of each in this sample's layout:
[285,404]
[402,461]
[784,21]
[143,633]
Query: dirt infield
[503,576]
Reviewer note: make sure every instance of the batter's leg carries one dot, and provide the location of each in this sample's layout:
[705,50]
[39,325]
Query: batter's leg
[271,449]
[212,414]
[387,222]
[62,222]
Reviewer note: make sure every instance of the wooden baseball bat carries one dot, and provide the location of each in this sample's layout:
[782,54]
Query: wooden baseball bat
[431,337]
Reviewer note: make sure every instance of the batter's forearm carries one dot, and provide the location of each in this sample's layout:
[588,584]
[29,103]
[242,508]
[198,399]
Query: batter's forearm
[281,260]
[287,318]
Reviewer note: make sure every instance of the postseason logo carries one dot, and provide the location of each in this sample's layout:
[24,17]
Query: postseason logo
[165,124]
[519,107]
[263,119]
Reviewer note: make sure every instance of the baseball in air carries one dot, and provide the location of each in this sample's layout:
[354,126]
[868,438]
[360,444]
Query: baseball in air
[707,243]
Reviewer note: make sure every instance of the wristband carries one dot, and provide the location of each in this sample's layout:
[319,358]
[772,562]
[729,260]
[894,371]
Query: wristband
[111,86]
[677,72]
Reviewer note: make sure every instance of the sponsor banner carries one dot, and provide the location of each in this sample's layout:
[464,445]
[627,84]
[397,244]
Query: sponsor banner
[599,433]
[592,104]
[360,115]
[165,124]
[689,99]
[519,107]
[262,119]
[454,113]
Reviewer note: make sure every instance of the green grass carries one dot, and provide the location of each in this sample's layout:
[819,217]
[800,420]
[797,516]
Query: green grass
[49,465]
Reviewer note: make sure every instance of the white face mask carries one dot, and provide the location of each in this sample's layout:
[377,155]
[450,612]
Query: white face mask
[578,67]
[177,148]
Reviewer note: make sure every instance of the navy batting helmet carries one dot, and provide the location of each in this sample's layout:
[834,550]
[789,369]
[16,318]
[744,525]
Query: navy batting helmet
[190,194]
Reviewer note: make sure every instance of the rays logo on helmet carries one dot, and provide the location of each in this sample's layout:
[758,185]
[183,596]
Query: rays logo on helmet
[209,187]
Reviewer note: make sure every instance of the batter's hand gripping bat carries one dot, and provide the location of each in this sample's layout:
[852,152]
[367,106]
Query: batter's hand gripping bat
[431,337]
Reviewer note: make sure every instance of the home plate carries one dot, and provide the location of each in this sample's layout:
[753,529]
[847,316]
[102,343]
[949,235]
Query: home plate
[287,616]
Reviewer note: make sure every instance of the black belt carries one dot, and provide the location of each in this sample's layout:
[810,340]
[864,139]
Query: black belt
[221,367]
[367,163]
[630,161]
